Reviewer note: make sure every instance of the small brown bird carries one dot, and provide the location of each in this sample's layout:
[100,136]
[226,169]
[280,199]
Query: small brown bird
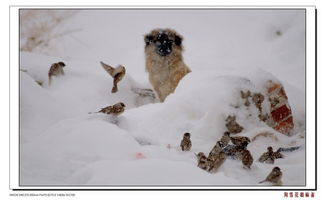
[233,151]
[216,161]
[267,157]
[274,177]
[215,151]
[225,139]
[274,101]
[186,143]
[258,99]
[202,161]
[232,125]
[115,109]
[277,155]
[264,117]
[116,73]
[246,96]
[56,69]
[247,158]
[240,140]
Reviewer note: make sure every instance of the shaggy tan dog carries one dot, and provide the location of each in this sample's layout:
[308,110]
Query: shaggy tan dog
[164,61]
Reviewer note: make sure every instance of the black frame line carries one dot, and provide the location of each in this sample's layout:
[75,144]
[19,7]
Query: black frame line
[181,187]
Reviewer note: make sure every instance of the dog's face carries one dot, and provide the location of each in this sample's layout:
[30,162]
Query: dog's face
[163,40]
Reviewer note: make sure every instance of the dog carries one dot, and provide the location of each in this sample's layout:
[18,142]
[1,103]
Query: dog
[164,61]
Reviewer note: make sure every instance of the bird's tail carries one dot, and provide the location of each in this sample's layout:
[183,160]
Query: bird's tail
[289,149]
[50,79]
[107,68]
[262,181]
[93,112]
[114,89]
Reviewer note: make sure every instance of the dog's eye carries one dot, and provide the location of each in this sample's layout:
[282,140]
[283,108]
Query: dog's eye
[178,40]
[148,39]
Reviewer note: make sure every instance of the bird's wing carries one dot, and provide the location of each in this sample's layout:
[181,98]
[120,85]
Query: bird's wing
[271,176]
[262,158]
[108,68]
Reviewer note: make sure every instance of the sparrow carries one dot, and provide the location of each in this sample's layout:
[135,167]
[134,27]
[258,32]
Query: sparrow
[233,151]
[232,125]
[274,177]
[186,143]
[264,117]
[274,101]
[216,161]
[277,155]
[202,161]
[225,139]
[216,149]
[116,73]
[246,96]
[240,140]
[267,157]
[56,69]
[247,158]
[258,99]
[114,110]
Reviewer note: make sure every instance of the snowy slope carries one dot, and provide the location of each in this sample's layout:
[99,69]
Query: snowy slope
[228,51]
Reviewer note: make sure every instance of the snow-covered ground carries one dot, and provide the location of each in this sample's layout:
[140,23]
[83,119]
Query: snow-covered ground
[227,51]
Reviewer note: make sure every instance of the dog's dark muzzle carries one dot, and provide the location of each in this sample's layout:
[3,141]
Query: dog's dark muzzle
[163,45]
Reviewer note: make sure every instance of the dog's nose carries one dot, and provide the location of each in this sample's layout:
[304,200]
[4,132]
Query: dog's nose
[163,44]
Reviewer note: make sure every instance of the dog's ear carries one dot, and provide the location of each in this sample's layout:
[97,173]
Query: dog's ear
[148,39]
[178,40]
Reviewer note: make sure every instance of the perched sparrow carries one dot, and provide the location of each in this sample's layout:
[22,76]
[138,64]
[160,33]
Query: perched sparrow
[277,155]
[115,109]
[232,125]
[202,161]
[274,177]
[215,150]
[225,139]
[247,158]
[186,142]
[274,101]
[117,74]
[233,151]
[56,70]
[216,161]
[264,117]
[240,140]
[258,99]
[267,157]
[246,96]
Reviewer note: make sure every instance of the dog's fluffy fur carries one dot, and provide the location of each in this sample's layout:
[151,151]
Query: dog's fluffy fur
[165,71]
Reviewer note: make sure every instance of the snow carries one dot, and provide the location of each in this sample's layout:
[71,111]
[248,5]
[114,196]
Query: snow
[227,51]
